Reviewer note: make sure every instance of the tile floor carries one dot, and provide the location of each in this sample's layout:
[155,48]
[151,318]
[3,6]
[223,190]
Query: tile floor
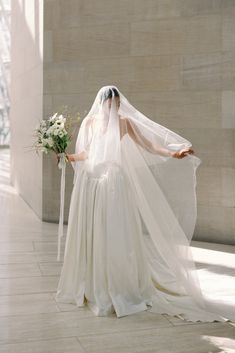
[32,321]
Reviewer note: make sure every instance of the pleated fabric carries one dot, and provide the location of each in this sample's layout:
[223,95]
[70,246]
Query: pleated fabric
[110,264]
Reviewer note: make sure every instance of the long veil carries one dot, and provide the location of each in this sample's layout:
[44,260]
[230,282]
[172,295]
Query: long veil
[164,189]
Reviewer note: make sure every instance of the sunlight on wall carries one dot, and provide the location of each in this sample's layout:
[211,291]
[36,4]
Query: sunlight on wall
[26,98]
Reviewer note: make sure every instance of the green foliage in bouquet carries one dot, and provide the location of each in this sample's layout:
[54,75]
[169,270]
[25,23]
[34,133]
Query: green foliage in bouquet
[54,134]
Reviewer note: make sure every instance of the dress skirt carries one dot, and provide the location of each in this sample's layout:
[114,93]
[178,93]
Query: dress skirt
[105,265]
[109,263]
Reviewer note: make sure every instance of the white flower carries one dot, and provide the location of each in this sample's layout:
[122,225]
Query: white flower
[48,141]
[53,118]
[55,132]
[61,118]
[61,134]
[60,125]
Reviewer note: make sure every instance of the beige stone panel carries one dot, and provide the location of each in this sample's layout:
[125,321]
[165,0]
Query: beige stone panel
[135,74]
[209,186]
[185,109]
[176,36]
[127,73]
[199,7]
[75,13]
[228,187]
[48,46]
[228,109]
[215,147]
[47,105]
[202,71]
[228,70]
[156,9]
[76,103]
[63,78]
[90,41]
[155,73]
[228,28]
[217,223]
[107,71]
[52,14]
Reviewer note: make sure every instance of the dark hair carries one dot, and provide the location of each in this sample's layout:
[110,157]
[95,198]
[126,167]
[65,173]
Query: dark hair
[108,93]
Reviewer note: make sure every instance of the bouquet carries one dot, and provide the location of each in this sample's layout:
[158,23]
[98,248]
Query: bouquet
[52,136]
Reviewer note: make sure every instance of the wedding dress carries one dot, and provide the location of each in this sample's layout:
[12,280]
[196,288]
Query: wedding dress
[131,219]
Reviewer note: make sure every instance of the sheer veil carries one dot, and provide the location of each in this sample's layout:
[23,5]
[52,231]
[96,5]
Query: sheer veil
[164,188]
[176,178]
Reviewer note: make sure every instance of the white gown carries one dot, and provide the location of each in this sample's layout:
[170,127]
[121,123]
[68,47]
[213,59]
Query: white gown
[109,263]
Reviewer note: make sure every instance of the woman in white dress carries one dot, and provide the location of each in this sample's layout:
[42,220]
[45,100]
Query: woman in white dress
[132,216]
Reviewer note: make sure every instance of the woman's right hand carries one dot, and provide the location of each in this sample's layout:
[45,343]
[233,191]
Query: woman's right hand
[70,157]
[77,157]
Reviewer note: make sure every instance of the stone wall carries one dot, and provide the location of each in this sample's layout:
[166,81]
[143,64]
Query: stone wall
[174,60]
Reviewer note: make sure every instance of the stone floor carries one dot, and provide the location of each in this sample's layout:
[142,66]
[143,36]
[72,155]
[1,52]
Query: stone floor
[32,321]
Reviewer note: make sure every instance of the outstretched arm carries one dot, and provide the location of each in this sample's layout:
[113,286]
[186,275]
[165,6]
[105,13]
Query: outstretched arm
[139,138]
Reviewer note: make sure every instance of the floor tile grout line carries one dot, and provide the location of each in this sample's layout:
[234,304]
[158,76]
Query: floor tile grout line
[39,340]
[56,303]
[46,313]
[28,263]
[83,348]
[25,293]
[23,252]
[86,318]
[38,276]
[38,265]
[147,329]
[29,277]
[98,334]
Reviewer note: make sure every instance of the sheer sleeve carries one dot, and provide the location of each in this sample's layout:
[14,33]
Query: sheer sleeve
[130,128]
[83,141]
[84,135]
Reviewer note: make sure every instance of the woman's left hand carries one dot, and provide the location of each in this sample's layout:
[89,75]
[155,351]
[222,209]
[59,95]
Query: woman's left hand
[183,153]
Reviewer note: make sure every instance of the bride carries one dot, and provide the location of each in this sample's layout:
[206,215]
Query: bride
[132,216]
